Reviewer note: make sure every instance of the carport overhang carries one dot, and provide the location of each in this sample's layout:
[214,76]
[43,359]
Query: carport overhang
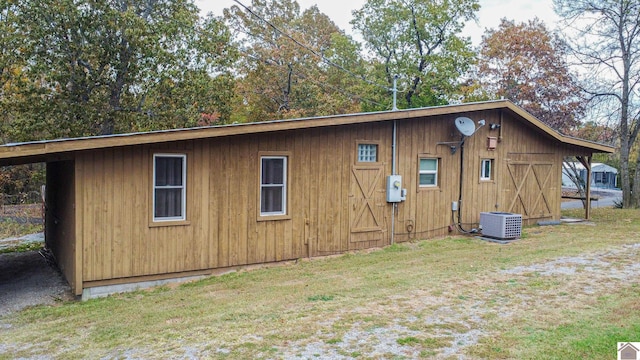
[71,266]
[583,151]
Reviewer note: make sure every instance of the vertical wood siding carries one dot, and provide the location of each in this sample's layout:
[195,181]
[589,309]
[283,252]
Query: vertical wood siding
[325,201]
[427,211]
[223,228]
[60,218]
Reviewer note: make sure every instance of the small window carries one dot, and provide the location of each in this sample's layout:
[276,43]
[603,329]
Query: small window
[169,187]
[367,153]
[599,177]
[429,172]
[273,185]
[485,169]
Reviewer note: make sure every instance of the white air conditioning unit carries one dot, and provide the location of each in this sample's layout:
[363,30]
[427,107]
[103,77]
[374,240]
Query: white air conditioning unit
[501,225]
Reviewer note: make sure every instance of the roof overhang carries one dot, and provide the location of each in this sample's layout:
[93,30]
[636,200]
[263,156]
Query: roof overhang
[51,150]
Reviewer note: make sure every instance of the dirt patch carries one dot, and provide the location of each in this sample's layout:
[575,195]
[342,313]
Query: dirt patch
[26,279]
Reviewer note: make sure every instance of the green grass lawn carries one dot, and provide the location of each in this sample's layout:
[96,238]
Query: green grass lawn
[567,291]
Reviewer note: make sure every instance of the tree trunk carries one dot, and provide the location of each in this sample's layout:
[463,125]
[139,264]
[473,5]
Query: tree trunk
[116,88]
[629,199]
[625,183]
[609,40]
[636,185]
[573,173]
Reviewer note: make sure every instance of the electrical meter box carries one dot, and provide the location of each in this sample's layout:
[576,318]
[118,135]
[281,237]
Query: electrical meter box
[395,192]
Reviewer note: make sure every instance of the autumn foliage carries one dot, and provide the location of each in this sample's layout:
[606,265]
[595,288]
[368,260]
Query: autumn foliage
[291,60]
[72,68]
[526,64]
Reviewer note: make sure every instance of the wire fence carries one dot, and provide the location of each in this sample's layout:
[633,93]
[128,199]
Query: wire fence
[23,207]
[31,197]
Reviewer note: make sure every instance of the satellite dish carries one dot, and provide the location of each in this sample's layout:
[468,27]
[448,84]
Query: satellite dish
[465,125]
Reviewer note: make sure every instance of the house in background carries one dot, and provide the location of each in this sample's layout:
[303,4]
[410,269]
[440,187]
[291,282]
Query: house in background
[142,208]
[602,175]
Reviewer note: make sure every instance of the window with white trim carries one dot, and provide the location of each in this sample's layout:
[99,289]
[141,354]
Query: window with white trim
[169,187]
[367,153]
[428,172]
[273,185]
[485,169]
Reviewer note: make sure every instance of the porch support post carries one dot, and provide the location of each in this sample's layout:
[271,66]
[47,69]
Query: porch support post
[586,161]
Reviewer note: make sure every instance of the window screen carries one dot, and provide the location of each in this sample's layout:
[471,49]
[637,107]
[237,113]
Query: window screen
[273,181]
[169,189]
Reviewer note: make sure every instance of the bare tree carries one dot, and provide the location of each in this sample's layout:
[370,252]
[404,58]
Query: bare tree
[571,169]
[605,38]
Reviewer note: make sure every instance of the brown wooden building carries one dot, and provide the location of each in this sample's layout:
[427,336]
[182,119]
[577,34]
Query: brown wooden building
[141,207]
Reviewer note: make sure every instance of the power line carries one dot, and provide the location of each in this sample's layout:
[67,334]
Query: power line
[314,52]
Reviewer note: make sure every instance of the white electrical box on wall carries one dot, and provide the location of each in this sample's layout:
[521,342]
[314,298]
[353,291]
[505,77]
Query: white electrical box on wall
[395,192]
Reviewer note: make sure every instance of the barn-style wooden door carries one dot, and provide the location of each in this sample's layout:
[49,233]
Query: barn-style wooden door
[529,186]
[366,207]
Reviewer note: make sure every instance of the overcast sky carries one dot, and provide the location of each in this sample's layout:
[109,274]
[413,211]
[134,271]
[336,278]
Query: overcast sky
[489,16]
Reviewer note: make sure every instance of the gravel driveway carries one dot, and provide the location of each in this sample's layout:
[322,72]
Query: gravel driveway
[26,279]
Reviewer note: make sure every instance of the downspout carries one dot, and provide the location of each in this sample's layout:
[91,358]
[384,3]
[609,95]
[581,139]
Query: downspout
[393,172]
[460,186]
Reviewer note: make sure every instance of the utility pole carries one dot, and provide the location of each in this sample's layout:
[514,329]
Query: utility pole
[395,91]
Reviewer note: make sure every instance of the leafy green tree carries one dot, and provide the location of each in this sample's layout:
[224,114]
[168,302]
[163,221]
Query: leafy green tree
[11,74]
[292,60]
[526,63]
[604,36]
[19,180]
[102,66]
[418,40]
